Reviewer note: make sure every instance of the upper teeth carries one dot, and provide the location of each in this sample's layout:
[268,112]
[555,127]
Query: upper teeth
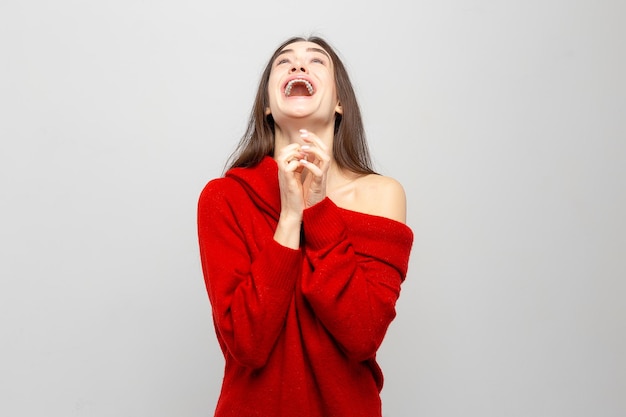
[291,83]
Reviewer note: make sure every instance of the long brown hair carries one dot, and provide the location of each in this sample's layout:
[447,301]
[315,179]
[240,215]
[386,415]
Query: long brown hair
[350,148]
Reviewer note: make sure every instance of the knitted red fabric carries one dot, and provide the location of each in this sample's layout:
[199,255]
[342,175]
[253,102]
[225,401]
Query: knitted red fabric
[299,329]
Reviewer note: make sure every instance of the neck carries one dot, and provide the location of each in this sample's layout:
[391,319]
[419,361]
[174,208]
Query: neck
[284,136]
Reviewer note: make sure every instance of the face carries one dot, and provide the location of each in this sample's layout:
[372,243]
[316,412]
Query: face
[302,84]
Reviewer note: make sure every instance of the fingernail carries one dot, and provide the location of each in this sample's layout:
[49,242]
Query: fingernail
[304,133]
[305,147]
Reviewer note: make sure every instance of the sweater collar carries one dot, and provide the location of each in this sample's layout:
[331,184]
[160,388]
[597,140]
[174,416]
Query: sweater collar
[261,184]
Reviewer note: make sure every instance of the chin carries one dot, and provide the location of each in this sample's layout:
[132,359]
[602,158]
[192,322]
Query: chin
[295,113]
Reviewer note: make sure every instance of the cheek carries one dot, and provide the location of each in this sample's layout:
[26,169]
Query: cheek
[272,88]
[272,81]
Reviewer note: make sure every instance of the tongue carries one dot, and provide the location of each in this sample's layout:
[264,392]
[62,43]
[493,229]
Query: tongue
[299,89]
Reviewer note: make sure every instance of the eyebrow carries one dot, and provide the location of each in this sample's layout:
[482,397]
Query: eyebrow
[320,50]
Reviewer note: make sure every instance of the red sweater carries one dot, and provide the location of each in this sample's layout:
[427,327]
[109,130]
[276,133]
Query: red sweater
[299,329]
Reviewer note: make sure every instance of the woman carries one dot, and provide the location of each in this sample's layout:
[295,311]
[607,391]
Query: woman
[303,248]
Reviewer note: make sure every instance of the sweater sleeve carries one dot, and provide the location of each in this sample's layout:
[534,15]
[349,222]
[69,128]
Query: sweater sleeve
[250,283]
[356,275]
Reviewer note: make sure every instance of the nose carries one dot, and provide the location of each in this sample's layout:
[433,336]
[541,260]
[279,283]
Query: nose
[297,68]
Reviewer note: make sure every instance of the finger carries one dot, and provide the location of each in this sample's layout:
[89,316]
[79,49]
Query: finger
[292,147]
[288,157]
[294,167]
[319,154]
[314,169]
[315,147]
[312,138]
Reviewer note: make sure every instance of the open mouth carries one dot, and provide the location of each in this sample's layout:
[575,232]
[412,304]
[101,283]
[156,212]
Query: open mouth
[299,87]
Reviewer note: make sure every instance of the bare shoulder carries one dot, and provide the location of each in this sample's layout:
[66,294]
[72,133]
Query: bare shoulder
[381,196]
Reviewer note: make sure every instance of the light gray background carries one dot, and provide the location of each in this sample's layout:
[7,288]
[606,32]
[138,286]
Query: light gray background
[505,121]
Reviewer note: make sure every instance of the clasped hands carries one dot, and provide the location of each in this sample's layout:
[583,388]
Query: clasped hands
[302,171]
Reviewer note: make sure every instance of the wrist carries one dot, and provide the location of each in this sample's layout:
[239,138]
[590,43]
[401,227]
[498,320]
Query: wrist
[290,218]
[288,230]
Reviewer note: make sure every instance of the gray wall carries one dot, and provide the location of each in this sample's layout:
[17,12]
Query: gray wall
[504,120]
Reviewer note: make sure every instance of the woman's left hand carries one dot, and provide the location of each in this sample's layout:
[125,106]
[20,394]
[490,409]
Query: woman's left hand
[317,162]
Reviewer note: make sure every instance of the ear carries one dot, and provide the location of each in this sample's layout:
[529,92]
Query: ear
[338,108]
[268,111]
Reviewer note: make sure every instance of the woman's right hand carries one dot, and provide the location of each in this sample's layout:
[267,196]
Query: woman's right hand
[291,195]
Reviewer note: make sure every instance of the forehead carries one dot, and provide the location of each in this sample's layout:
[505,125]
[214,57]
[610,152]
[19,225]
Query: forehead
[303,47]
